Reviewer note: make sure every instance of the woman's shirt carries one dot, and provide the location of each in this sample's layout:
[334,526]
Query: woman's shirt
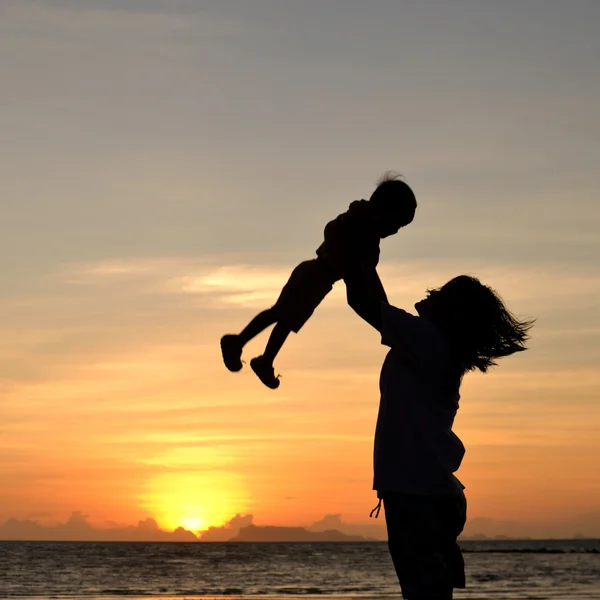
[416,450]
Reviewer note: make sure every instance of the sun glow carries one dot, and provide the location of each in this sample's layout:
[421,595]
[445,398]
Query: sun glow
[194,523]
[194,501]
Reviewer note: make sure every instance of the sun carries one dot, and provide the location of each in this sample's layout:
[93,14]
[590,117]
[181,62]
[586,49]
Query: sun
[194,523]
[194,500]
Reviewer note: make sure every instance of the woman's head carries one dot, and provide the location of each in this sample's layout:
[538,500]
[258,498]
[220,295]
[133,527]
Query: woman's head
[476,321]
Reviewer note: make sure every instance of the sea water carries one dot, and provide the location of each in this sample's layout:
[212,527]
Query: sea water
[495,569]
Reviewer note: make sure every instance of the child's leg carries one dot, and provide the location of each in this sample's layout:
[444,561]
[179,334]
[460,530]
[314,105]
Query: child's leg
[263,365]
[232,345]
[308,284]
[276,340]
[260,322]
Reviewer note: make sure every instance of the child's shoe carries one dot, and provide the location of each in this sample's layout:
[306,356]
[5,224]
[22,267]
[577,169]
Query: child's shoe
[232,352]
[265,372]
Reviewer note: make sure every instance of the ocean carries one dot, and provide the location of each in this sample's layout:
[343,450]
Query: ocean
[556,569]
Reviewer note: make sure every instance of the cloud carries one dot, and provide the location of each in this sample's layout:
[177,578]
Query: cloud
[224,275]
[133,324]
[587,524]
[328,522]
[373,530]
[204,282]
[227,531]
[77,528]
[216,284]
[123,320]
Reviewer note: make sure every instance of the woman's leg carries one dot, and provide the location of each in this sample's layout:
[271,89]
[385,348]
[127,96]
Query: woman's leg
[413,524]
[454,517]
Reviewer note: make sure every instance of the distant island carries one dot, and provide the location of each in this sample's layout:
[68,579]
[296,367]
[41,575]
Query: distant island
[254,533]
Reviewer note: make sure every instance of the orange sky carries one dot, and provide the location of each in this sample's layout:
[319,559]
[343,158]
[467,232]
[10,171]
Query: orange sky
[166,169]
[144,420]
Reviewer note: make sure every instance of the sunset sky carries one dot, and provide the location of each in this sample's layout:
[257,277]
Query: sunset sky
[164,166]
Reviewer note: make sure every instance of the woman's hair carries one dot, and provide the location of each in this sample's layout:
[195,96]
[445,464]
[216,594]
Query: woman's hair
[477,323]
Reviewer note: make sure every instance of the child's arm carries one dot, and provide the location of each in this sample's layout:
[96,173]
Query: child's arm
[333,249]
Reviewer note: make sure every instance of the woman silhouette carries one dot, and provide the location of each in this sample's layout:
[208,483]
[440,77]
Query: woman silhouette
[462,326]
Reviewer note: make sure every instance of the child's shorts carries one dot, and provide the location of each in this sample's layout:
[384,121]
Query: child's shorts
[308,284]
[422,533]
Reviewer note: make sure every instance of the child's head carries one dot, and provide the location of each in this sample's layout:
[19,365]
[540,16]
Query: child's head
[394,203]
[476,321]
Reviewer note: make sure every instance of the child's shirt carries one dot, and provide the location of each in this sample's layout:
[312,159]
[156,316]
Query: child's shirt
[355,229]
[416,451]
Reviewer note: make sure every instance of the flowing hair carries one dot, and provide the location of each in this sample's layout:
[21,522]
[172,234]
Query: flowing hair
[477,323]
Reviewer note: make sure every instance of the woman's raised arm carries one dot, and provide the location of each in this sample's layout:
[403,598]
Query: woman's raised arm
[365,293]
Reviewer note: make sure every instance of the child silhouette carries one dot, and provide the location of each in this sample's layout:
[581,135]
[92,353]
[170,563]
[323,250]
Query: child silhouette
[353,237]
